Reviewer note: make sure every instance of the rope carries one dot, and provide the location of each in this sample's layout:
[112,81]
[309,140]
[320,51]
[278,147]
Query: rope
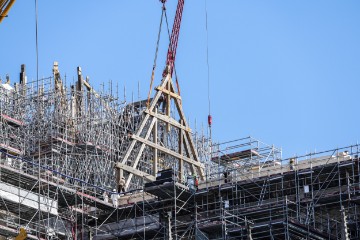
[156,54]
[168,30]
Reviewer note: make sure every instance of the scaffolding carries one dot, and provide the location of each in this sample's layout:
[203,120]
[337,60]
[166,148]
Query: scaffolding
[64,148]
[305,197]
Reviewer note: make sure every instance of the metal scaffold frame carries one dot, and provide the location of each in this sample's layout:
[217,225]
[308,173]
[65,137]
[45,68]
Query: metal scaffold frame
[314,196]
[59,146]
[63,150]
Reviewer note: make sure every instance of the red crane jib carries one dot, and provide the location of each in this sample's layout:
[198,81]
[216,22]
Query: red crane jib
[171,55]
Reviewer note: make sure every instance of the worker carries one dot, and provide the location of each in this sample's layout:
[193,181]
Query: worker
[292,164]
[225,177]
[196,181]
[7,79]
[114,198]
[121,186]
[105,197]
[191,183]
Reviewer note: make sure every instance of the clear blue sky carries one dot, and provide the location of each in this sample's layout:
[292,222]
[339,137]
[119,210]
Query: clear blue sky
[286,72]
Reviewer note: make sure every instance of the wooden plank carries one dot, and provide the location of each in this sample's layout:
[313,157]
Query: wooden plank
[169,120]
[132,145]
[155,169]
[135,171]
[137,159]
[172,94]
[168,151]
[158,94]
[181,162]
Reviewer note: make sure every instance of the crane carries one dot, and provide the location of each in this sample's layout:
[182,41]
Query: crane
[171,53]
[5,6]
[174,38]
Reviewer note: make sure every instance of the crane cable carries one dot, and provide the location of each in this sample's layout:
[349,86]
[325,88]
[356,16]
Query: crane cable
[36,42]
[208,66]
[156,54]
[37,86]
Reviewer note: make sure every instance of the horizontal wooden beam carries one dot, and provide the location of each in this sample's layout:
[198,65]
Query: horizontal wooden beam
[169,120]
[168,151]
[135,171]
[172,94]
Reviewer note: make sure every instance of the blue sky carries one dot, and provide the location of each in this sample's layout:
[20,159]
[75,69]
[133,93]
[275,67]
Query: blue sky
[285,72]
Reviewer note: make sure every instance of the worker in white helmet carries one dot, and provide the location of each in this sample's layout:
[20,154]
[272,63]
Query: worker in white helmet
[114,198]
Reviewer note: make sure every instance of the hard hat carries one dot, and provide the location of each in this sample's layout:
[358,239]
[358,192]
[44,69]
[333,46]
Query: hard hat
[114,190]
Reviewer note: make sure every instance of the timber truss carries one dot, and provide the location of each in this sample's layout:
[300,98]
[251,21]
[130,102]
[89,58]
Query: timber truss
[160,141]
